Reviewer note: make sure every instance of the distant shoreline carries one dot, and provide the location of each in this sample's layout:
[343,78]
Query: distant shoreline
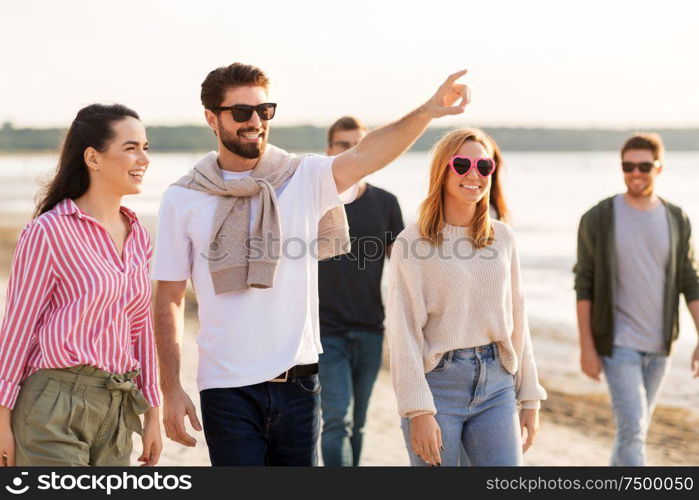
[196,138]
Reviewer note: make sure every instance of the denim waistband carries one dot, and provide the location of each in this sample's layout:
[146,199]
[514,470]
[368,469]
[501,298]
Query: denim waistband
[481,351]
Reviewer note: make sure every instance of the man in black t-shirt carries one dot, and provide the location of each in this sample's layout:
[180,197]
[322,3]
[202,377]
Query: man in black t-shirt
[351,310]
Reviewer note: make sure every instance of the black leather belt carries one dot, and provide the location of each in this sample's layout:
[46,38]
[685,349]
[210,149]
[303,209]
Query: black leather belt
[295,372]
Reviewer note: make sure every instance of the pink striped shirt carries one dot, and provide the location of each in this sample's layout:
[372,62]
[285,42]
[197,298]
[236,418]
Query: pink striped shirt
[72,300]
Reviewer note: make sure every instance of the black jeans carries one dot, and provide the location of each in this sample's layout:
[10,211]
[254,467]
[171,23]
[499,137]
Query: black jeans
[263,424]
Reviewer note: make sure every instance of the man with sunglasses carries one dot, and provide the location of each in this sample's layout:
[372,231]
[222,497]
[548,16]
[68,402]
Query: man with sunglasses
[247,225]
[635,258]
[351,310]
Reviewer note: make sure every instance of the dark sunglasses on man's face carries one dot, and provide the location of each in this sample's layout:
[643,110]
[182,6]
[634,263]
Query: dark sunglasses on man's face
[342,145]
[243,112]
[644,167]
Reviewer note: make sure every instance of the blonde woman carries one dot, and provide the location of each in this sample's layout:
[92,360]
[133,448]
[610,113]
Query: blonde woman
[461,355]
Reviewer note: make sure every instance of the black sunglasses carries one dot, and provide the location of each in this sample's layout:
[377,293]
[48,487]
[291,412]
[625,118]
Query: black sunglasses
[342,144]
[243,112]
[644,167]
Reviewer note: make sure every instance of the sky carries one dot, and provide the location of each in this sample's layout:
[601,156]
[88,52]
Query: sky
[592,63]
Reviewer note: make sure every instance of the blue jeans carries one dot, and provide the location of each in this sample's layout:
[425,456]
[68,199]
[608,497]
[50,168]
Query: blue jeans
[271,423]
[634,378]
[476,409]
[348,368]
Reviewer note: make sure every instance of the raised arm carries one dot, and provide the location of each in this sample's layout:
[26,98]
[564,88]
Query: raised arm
[383,145]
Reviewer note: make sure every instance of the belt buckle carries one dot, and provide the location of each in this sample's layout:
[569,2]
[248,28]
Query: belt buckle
[281,379]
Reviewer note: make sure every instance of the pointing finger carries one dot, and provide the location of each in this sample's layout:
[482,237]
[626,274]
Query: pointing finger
[455,76]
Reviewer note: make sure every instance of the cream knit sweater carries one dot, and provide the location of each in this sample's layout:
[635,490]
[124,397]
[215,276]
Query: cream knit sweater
[453,297]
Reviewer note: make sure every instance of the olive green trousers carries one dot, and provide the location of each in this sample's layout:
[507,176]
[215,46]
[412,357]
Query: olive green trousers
[77,416]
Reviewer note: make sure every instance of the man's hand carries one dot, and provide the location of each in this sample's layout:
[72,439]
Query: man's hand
[442,102]
[695,362]
[590,362]
[177,405]
[383,145]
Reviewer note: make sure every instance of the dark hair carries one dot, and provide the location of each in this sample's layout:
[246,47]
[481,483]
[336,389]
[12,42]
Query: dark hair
[92,127]
[218,81]
[344,123]
[648,142]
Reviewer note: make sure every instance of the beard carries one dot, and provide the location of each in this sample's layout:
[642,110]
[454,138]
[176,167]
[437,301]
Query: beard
[234,144]
[644,189]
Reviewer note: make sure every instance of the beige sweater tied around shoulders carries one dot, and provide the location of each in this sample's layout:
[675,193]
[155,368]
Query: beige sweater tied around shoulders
[231,228]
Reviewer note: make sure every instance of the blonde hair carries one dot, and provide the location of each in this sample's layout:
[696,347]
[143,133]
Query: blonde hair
[431,213]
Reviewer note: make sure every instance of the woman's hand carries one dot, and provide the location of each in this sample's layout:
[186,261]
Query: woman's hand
[7,439]
[426,438]
[152,440]
[529,422]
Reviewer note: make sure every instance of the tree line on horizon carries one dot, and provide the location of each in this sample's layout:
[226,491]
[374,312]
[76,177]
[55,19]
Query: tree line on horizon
[304,138]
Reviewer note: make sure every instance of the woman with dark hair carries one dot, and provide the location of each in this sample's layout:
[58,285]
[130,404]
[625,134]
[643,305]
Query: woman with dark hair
[77,357]
[461,356]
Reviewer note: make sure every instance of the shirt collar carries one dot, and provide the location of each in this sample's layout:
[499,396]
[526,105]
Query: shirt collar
[68,207]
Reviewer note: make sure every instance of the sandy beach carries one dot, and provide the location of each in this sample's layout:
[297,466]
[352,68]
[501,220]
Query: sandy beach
[576,428]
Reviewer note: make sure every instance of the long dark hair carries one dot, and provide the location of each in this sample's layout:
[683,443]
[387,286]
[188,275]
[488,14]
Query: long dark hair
[92,127]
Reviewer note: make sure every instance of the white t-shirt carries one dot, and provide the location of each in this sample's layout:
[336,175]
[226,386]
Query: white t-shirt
[251,336]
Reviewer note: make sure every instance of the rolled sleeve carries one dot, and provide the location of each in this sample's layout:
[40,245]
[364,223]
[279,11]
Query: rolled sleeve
[9,391]
[144,352]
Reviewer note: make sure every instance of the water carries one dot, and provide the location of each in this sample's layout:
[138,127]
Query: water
[547,193]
